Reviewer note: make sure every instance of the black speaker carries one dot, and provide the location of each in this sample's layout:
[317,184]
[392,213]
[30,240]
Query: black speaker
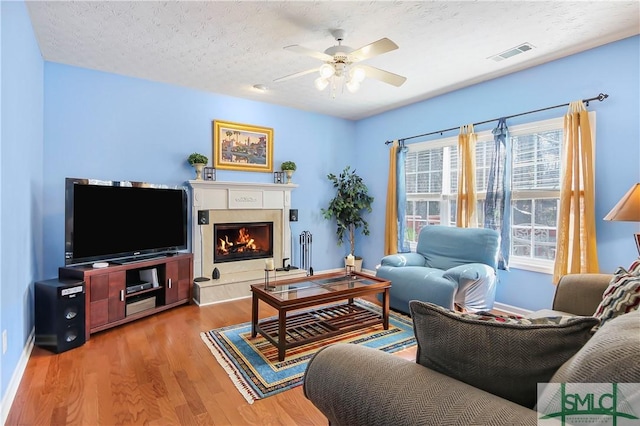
[203,217]
[60,314]
[293,215]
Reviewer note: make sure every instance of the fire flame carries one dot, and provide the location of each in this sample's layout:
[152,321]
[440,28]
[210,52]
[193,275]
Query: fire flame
[244,243]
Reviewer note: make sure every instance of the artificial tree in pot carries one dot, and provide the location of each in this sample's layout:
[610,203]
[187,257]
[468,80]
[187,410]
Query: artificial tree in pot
[198,161]
[288,167]
[351,201]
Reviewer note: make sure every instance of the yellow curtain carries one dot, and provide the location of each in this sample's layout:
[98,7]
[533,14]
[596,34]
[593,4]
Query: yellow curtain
[466,209]
[391,218]
[576,241]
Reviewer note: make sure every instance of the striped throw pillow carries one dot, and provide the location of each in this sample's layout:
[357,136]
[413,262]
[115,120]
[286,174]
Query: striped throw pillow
[622,295]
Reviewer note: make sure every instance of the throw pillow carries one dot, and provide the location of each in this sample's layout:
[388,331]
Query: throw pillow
[635,267]
[506,356]
[610,356]
[622,295]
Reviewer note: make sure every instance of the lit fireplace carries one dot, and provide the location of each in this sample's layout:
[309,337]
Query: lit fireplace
[242,241]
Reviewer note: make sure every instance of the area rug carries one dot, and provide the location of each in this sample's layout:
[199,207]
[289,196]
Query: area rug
[253,366]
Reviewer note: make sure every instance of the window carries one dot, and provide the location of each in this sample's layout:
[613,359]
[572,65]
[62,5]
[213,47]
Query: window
[431,182]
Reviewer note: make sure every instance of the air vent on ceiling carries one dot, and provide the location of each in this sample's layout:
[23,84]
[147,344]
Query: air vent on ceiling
[512,52]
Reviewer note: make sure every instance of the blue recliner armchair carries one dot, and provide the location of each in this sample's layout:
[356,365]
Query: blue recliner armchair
[451,266]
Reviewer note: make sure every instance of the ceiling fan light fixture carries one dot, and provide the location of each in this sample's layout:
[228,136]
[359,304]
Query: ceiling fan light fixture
[337,70]
[327,71]
[358,74]
[321,83]
[353,86]
[340,68]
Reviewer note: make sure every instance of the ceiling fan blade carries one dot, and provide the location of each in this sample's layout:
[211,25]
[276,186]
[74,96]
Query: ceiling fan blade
[308,52]
[294,75]
[384,76]
[376,48]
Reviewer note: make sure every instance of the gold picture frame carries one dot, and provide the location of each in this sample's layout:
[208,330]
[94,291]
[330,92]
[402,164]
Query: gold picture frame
[242,147]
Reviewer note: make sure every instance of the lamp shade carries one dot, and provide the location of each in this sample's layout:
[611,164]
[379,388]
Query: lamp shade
[357,74]
[327,71]
[628,208]
[353,86]
[321,83]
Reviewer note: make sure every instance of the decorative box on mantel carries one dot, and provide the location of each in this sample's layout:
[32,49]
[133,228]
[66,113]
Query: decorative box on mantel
[228,203]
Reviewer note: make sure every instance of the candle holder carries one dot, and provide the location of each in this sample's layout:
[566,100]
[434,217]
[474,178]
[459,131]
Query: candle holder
[266,279]
[349,271]
[209,173]
[278,177]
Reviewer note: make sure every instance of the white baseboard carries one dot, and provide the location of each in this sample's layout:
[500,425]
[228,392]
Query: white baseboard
[513,310]
[219,301]
[16,378]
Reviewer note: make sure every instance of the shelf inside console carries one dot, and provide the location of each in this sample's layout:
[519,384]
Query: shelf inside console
[139,305]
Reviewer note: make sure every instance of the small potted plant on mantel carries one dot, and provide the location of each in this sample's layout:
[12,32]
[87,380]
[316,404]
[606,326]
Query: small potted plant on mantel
[352,199]
[198,161]
[288,167]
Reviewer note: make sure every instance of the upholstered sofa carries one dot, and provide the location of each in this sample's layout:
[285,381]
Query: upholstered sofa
[451,266]
[355,385]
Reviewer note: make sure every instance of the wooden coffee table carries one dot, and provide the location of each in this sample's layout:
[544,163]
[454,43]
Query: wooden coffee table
[298,329]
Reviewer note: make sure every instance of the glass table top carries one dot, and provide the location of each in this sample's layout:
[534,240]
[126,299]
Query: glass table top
[316,286]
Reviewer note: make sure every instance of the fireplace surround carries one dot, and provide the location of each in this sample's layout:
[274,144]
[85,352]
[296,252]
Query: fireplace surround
[234,242]
[236,204]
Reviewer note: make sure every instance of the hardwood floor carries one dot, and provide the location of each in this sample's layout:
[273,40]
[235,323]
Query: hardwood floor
[154,371]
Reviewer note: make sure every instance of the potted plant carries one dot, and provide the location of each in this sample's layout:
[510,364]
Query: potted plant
[288,167]
[198,161]
[351,201]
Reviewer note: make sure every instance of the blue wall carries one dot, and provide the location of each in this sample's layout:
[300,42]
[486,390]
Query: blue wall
[21,255]
[85,123]
[611,69]
[113,127]
[105,126]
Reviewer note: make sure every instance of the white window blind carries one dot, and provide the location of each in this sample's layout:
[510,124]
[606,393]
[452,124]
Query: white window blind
[432,184]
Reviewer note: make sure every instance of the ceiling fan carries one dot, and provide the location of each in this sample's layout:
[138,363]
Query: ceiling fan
[342,64]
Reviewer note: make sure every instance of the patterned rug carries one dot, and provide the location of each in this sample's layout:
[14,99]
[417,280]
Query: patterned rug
[253,366]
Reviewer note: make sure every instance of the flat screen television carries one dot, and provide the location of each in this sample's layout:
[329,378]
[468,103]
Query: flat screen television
[122,221]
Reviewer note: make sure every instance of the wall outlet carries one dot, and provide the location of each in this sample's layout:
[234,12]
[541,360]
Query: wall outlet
[4,342]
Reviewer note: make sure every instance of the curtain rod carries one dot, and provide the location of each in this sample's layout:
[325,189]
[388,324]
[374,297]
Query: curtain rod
[601,97]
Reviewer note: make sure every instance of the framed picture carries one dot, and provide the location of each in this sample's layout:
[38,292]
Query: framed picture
[242,147]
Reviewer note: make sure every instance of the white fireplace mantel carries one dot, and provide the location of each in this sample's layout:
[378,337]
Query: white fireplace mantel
[236,202]
[214,195]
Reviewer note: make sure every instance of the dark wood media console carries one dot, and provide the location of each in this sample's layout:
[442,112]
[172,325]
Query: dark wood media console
[106,289]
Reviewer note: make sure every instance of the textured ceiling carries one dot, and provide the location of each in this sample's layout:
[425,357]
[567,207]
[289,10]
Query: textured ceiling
[227,47]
